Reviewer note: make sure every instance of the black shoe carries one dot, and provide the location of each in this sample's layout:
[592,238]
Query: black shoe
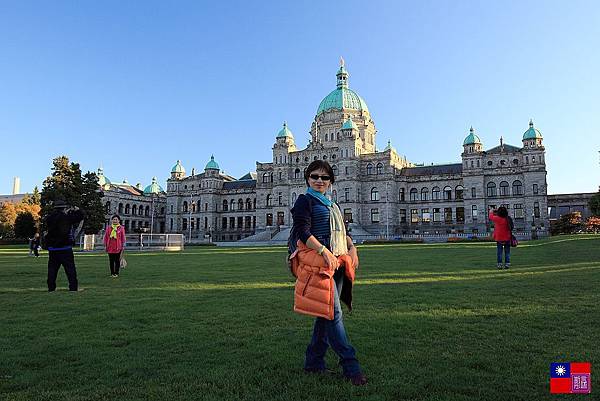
[358,380]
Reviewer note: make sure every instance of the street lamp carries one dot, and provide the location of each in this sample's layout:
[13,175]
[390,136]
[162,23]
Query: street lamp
[190,219]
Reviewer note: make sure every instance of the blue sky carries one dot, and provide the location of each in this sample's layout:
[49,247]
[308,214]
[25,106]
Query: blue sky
[134,86]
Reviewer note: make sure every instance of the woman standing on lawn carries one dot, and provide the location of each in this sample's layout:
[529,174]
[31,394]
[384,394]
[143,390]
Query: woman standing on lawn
[502,235]
[114,243]
[318,232]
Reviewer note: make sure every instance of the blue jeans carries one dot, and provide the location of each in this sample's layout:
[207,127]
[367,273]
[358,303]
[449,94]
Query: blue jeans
[332,332]
[506,246]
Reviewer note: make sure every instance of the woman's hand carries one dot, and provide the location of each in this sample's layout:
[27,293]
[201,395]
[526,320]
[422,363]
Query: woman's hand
[353,253]
[330,259]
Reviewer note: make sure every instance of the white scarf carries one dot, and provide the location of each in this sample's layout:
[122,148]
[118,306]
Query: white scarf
[338,243]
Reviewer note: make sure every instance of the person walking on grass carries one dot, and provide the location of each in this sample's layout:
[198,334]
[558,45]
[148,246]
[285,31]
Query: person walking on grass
[114,244]
[61,226]
[323,259]
[502,235]
[35,245]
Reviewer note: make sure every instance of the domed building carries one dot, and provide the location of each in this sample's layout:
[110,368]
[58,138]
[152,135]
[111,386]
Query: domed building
[380,192]
[141,210]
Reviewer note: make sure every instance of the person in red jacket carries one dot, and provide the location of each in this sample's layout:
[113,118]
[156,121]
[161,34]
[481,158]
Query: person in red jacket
[114,243]
[502,235]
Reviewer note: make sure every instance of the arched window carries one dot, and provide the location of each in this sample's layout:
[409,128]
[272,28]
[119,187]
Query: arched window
[374,194]
[517,188]
[141,210]
[435,193]
[425,194]
[459,190]
[269,200]
[294,196]
[504,189]
[491,189]
[447,193]
[297,173]
[162,210]
[193,207]
[248,204]
[240,204]
[271,176]
[334,195]
[326,137]
[107,207]
[266,177]
[120,208]
[379,168]
[134,209]
[185,206]
[232,204]
[369,169]
[414,194]
[147,211]
[335,170]
[127,208]
[225,205]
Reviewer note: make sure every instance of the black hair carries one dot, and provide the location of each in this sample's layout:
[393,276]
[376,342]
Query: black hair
[117,216]
[319,165]
[502,212]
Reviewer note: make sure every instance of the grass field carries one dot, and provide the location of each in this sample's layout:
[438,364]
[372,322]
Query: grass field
[431,322]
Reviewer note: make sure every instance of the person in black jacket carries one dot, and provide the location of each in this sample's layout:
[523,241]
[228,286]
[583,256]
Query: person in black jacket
[59,240]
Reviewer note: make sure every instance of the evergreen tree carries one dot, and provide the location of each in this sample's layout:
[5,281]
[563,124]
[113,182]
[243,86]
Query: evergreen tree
[595,204]
[24,225]
[91,202]
[67,183]
[34,198]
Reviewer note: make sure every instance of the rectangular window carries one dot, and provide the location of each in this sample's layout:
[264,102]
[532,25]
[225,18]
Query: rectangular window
[401,194]
[518,211]
[425,216]
[536,209]
[535,189]
[347,194]
[460,214]
[240,222]
[280,218]
[436,215]
[473,193]
[414,216]
[447,215]
[171,223]
[402,215]
[348,215]
[232,222]
[184,224]
[474,212]
[374,215]
[224,223]
[279,198]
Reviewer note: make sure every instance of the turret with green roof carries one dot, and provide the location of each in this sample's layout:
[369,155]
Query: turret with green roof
[153,188]
[285,132]
[212,164]
[342,97]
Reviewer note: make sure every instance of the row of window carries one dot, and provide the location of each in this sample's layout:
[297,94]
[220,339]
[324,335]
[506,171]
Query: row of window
[128,209]
[503,163]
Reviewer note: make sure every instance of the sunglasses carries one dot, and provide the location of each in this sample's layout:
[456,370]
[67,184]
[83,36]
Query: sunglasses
[322,177]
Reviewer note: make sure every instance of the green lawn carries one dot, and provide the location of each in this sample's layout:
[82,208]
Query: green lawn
[431,322]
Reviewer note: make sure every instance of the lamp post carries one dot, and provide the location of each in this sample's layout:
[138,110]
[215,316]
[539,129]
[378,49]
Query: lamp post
[190,219]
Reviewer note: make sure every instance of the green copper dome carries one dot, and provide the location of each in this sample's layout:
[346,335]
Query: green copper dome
[532,133]
[102,180]
[342,97]
[178,168]
[349,124]
[212,164]
[153,188]
[471,139]
[285,132]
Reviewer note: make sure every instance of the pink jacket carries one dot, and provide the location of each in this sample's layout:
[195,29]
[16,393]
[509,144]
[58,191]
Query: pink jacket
[501,227]
[114,245]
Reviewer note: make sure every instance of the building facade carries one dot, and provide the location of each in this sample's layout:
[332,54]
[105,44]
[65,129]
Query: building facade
[381,193]
[141,210]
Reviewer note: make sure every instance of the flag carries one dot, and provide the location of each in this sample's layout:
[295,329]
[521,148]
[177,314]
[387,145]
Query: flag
[570,377]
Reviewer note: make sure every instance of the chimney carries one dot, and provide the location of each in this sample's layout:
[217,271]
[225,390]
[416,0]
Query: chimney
[16,186]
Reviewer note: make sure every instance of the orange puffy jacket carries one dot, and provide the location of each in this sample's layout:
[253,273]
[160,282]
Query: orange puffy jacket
[314,290]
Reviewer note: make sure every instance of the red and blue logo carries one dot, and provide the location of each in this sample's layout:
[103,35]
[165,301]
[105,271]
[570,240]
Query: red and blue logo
[570,377]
